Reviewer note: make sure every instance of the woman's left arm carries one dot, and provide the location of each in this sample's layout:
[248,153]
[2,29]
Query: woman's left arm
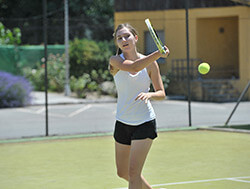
[154,74]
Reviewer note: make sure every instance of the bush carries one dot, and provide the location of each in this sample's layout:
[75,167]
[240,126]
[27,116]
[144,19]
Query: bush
[165,81]
[56,74]
[88,68]
[89,65]
[89,82]
[88,55]
[79,85]
[35,76]
[14,91]
[7,37]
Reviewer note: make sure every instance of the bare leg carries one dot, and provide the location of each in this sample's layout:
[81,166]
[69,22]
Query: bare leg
[122,153]
[122,159]
[138,154]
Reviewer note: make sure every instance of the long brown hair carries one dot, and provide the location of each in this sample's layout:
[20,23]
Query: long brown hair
[121,26]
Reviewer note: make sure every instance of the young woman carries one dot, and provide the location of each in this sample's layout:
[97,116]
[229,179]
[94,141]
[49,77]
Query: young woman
[135,126]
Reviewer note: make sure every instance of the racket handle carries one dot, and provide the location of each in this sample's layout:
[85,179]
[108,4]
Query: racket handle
[163,50]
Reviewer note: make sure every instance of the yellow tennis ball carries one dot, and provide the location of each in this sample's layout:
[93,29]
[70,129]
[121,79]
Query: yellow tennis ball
[204,68]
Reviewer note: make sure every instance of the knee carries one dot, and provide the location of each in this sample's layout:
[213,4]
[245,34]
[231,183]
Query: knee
[134,173]
[122,174]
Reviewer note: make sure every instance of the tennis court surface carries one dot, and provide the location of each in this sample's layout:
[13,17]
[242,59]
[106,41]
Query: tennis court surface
[178,159]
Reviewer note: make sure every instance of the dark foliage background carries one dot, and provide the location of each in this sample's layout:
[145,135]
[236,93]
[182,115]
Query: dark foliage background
[92,19]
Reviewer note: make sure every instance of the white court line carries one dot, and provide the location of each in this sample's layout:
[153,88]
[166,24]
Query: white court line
[39,111]
[25,110]
[237,179]
[80,110]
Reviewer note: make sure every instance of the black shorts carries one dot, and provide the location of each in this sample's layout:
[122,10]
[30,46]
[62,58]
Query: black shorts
[124,133]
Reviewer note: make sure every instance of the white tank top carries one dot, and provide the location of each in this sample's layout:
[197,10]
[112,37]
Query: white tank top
[128,87]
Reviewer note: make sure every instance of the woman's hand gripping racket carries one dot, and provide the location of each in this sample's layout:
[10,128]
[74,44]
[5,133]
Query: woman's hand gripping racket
[163,49]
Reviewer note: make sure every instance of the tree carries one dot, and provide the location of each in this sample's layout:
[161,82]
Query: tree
[91,19]
[97,17]
[7,37]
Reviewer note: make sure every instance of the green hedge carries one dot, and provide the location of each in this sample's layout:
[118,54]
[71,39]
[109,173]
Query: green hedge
[87,55]
[14,58]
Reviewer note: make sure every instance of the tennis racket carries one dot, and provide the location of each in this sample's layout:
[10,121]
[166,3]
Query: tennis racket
[155,37]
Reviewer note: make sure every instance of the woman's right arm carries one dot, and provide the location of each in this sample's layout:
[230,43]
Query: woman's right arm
[137,65]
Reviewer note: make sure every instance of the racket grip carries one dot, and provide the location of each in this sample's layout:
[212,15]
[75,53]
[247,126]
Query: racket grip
[163,50]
